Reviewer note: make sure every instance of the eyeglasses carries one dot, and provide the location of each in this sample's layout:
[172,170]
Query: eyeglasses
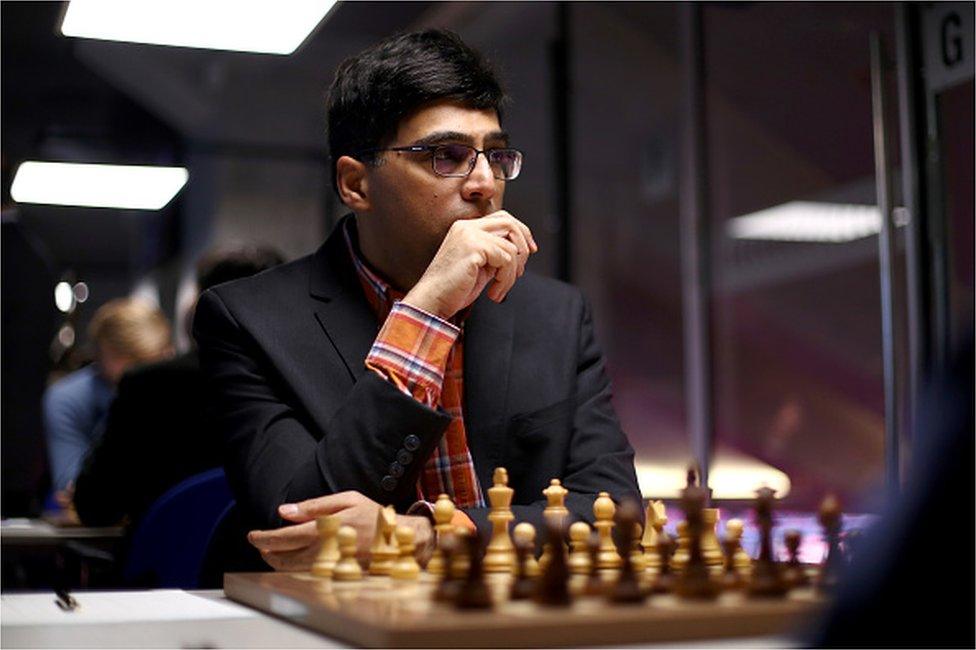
[458,160]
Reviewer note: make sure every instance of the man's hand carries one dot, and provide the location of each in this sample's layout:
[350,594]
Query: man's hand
[293,548]
[474,252]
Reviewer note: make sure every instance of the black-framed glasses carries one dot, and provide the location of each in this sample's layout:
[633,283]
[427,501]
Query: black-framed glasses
[458,160]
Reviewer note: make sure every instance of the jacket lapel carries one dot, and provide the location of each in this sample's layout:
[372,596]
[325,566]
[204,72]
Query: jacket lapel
[488,336]
[339,304]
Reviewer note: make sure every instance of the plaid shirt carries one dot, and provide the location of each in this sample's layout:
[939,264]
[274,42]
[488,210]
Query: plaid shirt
[423,356]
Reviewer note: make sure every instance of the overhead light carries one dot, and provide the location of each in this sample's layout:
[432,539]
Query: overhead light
[808,221]
[236,25]
[64,297]
[732,476]
[97,186]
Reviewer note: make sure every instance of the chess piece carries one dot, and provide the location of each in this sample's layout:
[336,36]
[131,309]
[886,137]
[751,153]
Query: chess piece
[347,568]
[524,585]
[733,532]
[664,582]
[731,578]
[552,588]
[603,510]
[328,555]
[766,579]
[461,561]
[637,557]
[473,593]
[447,586]
[680,558]
[383,551]
[711,549]
[696,580]
[794,573]
[556,513]
[594,584]
[831,520]
[579,554]
[655,519]
[406,566]
[556,500]
[627,589]
[526,531]
[444,510]
[500,555]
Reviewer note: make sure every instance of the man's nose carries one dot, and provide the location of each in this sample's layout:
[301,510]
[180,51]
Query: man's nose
[480,183]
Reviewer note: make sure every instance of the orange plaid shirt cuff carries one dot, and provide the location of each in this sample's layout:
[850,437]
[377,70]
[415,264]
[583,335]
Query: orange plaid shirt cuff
[412,351]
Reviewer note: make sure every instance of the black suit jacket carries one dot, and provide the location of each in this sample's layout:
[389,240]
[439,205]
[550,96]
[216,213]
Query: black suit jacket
[155,436]
[300,416]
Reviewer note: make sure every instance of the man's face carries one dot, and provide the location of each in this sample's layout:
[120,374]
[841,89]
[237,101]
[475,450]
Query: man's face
[415,206]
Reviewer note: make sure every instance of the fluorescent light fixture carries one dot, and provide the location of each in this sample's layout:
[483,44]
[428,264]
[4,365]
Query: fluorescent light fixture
[808,221]
[732,476]
[237,25]
[97,186]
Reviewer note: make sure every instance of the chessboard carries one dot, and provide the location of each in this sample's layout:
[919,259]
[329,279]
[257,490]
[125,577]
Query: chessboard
[379,611]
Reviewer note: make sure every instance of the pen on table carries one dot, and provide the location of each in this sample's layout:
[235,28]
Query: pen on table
[65,600]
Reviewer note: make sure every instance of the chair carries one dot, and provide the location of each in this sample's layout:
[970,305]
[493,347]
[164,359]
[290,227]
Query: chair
[169,545]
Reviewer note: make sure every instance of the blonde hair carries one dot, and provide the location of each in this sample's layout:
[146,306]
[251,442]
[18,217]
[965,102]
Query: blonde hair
[131,327]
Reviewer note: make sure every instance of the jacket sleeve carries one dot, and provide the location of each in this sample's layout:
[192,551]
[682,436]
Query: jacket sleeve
[599,457]
[274,454]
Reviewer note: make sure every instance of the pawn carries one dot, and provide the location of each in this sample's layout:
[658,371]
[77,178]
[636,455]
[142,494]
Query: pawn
[733,532]
[447,586]
[731,579]
[831,520]
[594,584]
[526,532]
[347,569]
[444,510]
[627,589]
[794,573]
[328,555]
[473,593]
[664,582]
[405,567]
[603,510]
[524,584]
[637,557]
[766,579]
[553,587]
[579,554]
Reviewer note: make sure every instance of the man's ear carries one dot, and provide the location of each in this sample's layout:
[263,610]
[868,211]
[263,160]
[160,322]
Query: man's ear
[352,183]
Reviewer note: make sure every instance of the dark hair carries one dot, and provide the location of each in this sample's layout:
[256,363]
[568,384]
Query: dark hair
[374,90]
[217,267]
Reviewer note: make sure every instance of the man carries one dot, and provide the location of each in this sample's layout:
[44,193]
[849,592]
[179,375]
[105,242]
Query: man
[158,413]
[476,364]
[126,332]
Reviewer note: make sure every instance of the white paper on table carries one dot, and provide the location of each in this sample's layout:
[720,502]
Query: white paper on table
[116,607]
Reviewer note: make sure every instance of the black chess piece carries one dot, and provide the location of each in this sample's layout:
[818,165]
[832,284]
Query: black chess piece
[594,583]
[794,574]
[696,580]
[447,586]
[731,580]
[552,588]
[473,593]
[831,520]
[664,583]
[766,579]
[524,585]
[627,588]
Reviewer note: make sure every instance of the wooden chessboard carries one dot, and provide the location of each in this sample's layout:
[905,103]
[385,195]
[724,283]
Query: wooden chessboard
[378,612]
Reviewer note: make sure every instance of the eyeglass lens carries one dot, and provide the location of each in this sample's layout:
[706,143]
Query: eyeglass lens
[459,160]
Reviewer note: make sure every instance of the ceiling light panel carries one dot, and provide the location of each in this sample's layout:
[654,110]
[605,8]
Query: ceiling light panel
[97,186]
[808,221]
[235,25]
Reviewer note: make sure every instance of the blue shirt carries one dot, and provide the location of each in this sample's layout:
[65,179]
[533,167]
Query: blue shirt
[75,408]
